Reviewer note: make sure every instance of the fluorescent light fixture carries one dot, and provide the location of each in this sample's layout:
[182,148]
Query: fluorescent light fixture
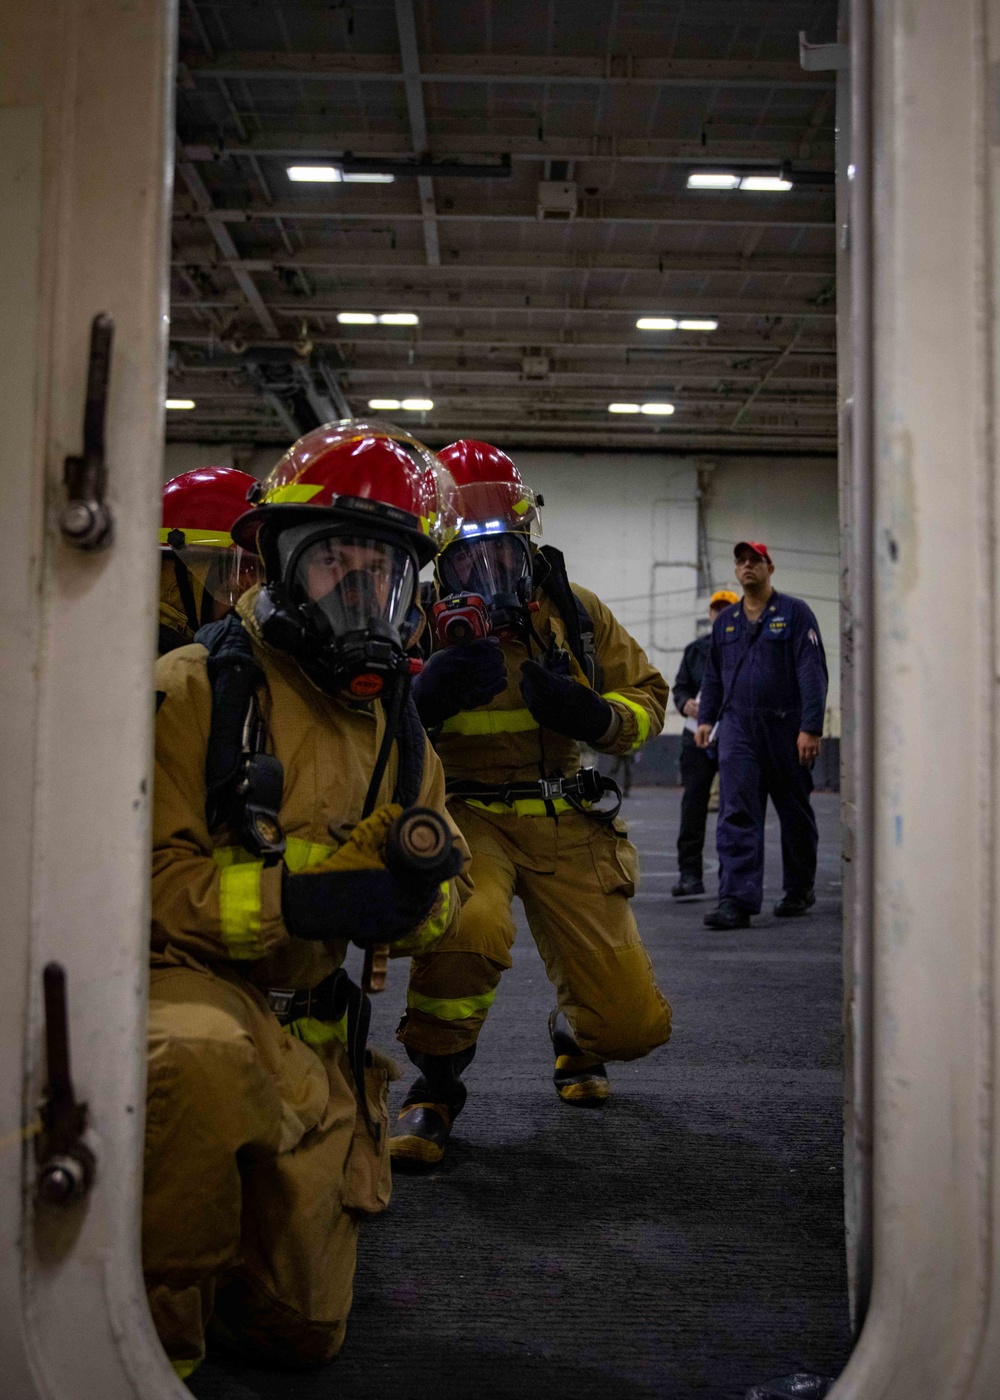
[764,183]
[712,180]
[356,318]
[417,405]
[399,318]
[316,174]
[656,323]
[698,325]
[389,404]
[661,409]
[623,408]
[180,403]
[367,177]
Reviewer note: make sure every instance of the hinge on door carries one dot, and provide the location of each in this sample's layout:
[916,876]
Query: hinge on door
[85,520]
[66,1164]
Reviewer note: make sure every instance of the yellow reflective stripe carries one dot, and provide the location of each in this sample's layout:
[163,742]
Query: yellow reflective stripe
[521,506]
[186,1368]
[523,807]
[432,928]
[239,907]
[314,1032]
[300,855]
[450,1008]
[490,722]
[295,493]
[641,715]
[216,537]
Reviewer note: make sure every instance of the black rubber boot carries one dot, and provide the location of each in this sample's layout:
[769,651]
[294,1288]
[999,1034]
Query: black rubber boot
[577,1081]
[434,1100]
[687,886]
[728,915]
[791,906]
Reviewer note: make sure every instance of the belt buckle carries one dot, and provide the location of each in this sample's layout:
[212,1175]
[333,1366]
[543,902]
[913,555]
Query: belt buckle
[280,1000]
[551,788]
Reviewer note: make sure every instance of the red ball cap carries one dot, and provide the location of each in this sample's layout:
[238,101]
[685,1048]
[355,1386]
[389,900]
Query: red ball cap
[757,548]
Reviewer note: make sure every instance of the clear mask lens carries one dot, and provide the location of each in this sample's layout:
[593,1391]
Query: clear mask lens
[354,581]
[225,574]
[486,564]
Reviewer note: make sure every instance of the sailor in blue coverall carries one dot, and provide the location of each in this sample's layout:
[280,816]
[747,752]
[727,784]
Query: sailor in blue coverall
[765,684]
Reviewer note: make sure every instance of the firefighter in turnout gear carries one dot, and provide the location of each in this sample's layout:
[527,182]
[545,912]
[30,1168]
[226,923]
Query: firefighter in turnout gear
[287,746]
[538,668]
[203,571]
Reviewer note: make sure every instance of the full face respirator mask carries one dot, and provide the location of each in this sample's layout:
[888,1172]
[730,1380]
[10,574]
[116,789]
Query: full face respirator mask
[342,606]
[486,583]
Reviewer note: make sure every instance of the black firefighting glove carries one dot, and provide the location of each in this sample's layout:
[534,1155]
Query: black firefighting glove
[563,705]
[459,678]
[352,895]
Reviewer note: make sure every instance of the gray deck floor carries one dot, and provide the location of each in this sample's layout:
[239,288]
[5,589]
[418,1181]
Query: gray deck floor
[685,1241]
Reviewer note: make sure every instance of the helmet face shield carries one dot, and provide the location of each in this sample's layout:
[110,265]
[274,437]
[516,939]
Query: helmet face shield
[490,506]
[224,574]
[350,583]
[496,566]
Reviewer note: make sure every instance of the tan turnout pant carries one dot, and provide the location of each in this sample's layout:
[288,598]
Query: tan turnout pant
[258,1169]
[575,877]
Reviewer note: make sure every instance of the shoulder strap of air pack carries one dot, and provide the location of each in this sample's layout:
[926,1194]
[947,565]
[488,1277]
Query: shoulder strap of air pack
[579,625]
[411,741]
[243,783]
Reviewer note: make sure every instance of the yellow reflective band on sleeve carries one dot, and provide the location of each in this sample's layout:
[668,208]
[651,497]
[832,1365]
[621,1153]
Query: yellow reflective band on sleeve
[295,493]
[641,715]
[239,909]
[450,1008]
[523,807]
[239,902]
[300,855]
[314,1032]
[490,722]
[186,1368]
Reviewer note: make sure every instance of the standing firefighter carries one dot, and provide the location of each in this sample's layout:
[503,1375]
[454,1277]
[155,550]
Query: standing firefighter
[286,748]
[203,571]
[539,669]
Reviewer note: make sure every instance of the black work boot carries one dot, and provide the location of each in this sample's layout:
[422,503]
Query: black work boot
[577,1081]
[729,914]
[688,885]
[791,906]
[435,1099]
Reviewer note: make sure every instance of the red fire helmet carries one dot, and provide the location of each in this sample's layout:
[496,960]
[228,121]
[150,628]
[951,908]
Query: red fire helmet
[492,496]
[204,505]
[364,473]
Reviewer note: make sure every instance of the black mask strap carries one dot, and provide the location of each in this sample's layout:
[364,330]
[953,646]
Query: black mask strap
[182,575]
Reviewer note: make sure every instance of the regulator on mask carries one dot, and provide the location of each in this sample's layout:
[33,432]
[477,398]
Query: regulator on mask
[342,607]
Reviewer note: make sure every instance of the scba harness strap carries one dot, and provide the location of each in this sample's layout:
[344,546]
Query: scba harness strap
[553,580]
[244,787]
[587,785]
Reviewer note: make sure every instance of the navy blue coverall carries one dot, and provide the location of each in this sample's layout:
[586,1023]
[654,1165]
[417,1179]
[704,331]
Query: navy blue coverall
[768,681]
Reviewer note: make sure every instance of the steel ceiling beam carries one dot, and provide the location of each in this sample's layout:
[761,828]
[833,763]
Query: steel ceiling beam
[807,154]
[735,211]
[517,263]
[679,305]
[227,247]
[329,66]
[406,24]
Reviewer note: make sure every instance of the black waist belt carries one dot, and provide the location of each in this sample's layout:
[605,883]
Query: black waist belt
[334,997]
[588,785]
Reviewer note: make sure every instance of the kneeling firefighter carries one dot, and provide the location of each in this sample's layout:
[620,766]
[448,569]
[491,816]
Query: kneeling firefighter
[539,667]
[203,571]
[287,748]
